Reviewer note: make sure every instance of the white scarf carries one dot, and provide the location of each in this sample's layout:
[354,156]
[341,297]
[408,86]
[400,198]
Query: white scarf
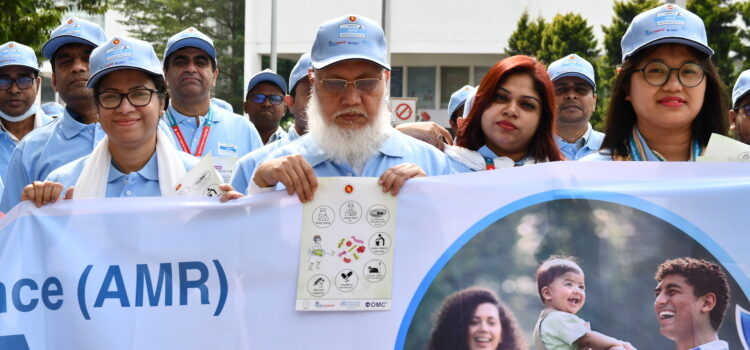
[475,160]
[92,183]
[29,112]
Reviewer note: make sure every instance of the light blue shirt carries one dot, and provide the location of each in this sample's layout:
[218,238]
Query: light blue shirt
[397,149]
[231,135]
[2,187]
[8,142]
[141,183]
[606,155]
[276,136]
[45,149]
[245,167]
[589,143]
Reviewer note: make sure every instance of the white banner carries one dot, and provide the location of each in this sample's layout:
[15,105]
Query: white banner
[154,273]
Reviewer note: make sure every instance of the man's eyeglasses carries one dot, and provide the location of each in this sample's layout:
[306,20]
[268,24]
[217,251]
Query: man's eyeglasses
[744,108]
[337,86]
[261,98]
[137,98]
[657,74]
[22,83]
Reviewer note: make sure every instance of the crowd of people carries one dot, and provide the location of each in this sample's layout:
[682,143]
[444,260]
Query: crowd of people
[133,125]
[667,100]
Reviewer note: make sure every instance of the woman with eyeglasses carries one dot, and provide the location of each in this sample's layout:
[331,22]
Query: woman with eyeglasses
[511,121]
[667,98]
[136,158]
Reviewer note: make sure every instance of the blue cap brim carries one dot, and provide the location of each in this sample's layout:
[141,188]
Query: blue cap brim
[687,42]
[267,78]
[50,47]
[191,42]
[576,75]
[336,59]
[98,75]
[738,99]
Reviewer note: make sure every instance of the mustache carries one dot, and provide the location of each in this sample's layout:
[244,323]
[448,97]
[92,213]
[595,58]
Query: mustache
[351,110]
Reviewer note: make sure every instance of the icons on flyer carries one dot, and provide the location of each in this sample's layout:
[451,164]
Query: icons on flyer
[380,243]
[348,188]
[378,215]
[346,280]
[323,216]
[350,212]
[318,285]
[374,271]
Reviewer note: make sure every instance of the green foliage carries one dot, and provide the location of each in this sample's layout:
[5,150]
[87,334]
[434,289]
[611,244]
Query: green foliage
[566,34]
[718,16]
[221,20]
[30,21]
[743,44]
[527,38]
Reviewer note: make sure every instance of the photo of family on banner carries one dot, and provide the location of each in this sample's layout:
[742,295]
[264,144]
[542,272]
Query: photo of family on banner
[546,256]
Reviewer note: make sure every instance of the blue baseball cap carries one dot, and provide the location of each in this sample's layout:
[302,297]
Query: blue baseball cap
[299,71]
[15,54]
[458,99]
[572,66]
[469,101]
[741,88]
[266,76]
[123,53]
[73,31]
[190,37]
[666,24]
[348,38]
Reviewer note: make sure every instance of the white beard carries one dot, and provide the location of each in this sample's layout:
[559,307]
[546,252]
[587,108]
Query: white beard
[353,147]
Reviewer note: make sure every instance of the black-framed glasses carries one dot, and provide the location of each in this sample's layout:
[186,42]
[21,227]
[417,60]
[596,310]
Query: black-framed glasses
[745,109]
[22,83]
[337,86]
[260,98]
[658,73]
[137,98]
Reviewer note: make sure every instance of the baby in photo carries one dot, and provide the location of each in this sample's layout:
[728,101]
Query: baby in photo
[561,285]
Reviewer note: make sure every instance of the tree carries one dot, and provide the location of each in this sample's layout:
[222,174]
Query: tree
[566,34]
[221,20]
[743,44]
[527,38]
[30,22]
[718,16]
[625,11]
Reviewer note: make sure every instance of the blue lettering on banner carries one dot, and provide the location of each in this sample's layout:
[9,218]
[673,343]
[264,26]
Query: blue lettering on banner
[144,281]
[22,297]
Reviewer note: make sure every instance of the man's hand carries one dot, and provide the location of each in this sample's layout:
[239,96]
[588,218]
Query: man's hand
[395,177]
[429,132]
[229,193]
[43,193]
[292,171]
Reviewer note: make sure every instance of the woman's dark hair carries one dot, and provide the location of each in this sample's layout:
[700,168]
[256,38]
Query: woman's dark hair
[621,118]
[159,83]
[543,146]
[455,314]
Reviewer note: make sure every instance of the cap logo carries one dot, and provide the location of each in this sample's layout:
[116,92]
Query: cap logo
[670,6]
[352,19]
[70,21]
[10,45]
[190,29]
[572,57]
[116,41]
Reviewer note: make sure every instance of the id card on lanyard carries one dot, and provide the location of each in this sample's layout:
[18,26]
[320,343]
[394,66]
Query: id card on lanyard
[204,133]
[638,152]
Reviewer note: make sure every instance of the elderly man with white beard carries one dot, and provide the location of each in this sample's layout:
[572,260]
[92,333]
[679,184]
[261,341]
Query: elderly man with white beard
[350,132]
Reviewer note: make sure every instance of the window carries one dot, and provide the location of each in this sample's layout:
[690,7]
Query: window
[479,73]
[422,86]
[397,81]
[451,79]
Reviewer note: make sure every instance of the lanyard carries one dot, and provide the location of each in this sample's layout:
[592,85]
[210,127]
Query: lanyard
[204,134]
[637,152]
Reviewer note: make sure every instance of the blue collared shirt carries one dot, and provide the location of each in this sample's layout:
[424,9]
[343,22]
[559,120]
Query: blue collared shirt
[141,183]
[279,134]
[487,153]
[397,149]
[8,141]
[245,167]
[231,135]
[45,149]
[589,143]
[714,345]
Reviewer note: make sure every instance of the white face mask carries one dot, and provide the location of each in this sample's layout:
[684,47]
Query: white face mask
[31,111]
